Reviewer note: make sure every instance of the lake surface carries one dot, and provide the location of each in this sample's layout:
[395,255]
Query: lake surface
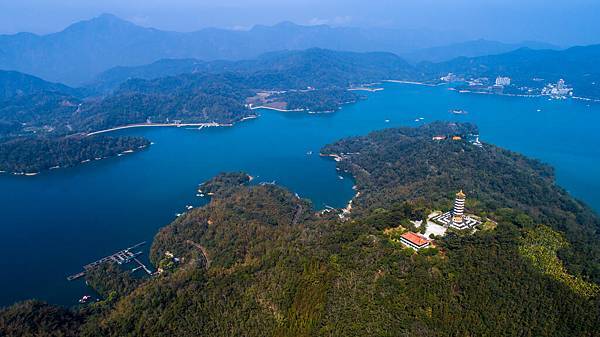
[54,223]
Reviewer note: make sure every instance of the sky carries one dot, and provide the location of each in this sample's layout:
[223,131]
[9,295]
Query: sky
[563,23]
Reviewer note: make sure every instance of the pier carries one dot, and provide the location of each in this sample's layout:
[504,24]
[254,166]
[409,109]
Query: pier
[121,257]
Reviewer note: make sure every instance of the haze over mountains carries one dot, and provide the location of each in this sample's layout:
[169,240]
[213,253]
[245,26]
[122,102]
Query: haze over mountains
[14,83]
[83,50]
[471,49]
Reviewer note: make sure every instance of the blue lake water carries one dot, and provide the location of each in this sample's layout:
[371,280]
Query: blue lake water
[54,223]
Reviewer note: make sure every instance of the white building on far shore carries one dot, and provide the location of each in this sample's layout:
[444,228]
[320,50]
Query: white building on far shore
[503,81]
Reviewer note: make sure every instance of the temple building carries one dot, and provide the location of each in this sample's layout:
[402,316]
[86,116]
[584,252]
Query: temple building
[414,240]
[456,218]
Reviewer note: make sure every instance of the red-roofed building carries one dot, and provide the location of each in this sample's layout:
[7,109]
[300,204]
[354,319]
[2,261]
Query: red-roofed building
[415,241]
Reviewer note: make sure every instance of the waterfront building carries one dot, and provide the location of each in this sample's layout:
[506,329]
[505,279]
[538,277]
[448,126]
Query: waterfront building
[414,240]
[560,90]
[451,78]
[503,81]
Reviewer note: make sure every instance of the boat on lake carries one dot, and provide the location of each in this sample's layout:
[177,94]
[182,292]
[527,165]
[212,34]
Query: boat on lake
[85,299]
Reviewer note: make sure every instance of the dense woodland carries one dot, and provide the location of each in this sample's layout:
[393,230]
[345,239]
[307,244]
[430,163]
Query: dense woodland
[111,281]
[258,261]
[396,165]
[325,100]
[224,183]
[32,155]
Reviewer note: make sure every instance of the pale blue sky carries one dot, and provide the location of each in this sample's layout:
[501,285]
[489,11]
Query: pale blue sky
[560,22]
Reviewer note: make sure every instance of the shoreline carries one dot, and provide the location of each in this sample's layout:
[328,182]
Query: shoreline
[413,82]
[346,211]
[275,109]
[163,125]
[466,91]
[85,161]
[493,93]
[124,127]
[366,89]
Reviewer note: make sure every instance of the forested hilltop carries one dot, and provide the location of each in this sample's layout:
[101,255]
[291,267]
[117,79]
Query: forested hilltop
[259,261]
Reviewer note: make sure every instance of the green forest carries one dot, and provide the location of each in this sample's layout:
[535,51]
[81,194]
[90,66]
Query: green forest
[32,155]
[259,261]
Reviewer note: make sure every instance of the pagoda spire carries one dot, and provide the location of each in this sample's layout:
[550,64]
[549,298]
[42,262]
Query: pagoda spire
[459,208]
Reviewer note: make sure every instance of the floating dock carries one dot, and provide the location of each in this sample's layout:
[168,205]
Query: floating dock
[121,257]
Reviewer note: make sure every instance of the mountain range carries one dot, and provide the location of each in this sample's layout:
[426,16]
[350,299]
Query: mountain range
[85,49]
[324,67]
[472,48]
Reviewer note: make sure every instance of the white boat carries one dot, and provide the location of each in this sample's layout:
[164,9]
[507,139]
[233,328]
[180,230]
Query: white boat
[85,299]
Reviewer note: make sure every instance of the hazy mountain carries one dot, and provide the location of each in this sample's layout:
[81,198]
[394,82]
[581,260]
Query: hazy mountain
[14,83]
[331,67]
[84,49]
[473,48]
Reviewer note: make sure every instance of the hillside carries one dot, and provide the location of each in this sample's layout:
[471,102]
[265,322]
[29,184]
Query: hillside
[494,178]
[13,83]
[261,253]
[22,155]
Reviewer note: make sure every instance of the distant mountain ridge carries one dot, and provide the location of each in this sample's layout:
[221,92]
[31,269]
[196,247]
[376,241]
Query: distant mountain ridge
[326,66]
[473,48]
[87,48]
[13,83]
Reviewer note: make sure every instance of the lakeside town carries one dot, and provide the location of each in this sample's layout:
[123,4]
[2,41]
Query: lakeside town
[505,85]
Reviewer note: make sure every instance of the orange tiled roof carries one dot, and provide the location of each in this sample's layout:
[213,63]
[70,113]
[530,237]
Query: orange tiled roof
[415,238]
